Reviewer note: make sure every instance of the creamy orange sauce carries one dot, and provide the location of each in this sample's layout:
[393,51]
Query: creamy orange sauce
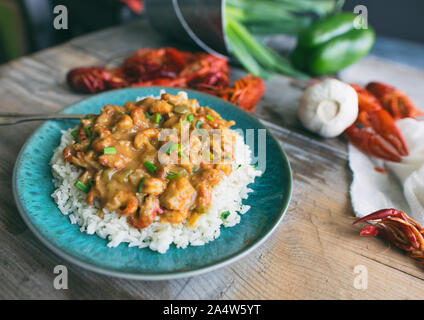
[121,152]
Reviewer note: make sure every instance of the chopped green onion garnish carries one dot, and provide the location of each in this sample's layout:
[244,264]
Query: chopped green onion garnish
[82,186]
[195,168]
[157,117]
[91,143]
[140,184]
[239,166]
[209,118]
[172,175]
[172,147]
[225,215]
[147,115]
[150,167]
[109,150]
[198,124]
[74,134]
[181,154]
[171,103]
[190,117]
[87,131]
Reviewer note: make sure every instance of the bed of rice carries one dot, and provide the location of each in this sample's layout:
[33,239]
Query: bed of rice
[227,196]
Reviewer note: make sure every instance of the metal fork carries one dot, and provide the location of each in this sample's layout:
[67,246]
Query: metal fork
[14,118]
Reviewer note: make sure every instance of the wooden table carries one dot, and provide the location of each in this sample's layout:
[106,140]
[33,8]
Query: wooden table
[311,255]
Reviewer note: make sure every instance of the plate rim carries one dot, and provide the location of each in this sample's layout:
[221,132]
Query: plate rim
[139,276]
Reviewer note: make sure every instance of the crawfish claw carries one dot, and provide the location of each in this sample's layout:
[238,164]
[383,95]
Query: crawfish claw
[375,130]
[385,126]
[371,143]
[369,231]
[380,214]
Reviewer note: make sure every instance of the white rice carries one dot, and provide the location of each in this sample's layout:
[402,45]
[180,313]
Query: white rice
[226,196]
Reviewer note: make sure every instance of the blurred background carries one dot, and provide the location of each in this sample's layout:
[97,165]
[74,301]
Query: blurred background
[26,25]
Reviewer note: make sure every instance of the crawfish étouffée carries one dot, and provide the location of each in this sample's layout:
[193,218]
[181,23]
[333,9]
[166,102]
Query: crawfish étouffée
[127,166]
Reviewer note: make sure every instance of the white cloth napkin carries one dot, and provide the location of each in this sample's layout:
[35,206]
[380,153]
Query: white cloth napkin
[401,188]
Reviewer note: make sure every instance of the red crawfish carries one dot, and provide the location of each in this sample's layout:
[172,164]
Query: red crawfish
[399,229]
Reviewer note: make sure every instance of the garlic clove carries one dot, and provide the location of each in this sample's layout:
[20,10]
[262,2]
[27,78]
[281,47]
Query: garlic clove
[328,107]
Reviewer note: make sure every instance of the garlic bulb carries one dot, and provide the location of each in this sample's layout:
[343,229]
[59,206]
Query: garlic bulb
[328,107]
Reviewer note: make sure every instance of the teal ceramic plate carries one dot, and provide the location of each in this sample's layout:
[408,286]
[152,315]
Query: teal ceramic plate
[32,186]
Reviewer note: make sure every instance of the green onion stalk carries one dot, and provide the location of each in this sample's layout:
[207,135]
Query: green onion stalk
[246,18]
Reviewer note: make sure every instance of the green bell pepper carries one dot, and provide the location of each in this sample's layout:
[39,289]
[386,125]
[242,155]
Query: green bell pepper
[331,45]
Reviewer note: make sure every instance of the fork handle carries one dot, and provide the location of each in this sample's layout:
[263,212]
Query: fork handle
[14,118]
